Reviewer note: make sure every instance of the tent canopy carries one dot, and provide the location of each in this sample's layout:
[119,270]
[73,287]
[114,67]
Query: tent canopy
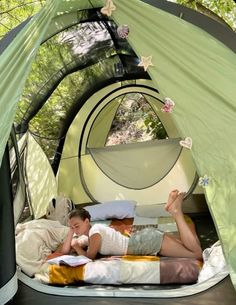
[192,67]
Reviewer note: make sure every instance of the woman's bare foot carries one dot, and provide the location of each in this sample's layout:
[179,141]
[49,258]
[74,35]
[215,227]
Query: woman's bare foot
[172,197]
[176,207]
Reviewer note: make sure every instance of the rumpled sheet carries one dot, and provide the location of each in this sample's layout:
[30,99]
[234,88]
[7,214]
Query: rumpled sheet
[123,270]
[115,271]
[35,240]
[214,262]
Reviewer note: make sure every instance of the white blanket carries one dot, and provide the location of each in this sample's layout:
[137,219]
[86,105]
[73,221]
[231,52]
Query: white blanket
[214,262]
[35,240]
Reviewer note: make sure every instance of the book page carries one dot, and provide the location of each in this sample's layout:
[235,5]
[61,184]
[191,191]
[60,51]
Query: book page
[70,260]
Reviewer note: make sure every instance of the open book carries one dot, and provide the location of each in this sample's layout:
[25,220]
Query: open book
[69,260]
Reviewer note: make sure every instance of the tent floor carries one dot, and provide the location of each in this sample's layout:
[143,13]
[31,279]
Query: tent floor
[222,293]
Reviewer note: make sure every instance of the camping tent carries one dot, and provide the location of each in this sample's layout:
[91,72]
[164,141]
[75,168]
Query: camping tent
[190,66]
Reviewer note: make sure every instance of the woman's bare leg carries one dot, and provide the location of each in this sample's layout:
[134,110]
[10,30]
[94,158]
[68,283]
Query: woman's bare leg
[188,245]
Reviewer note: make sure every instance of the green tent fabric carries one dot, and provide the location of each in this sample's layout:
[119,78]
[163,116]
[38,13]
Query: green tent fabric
[15,65]
[138,165]
[198,73]
[83,181]
[16,60]
[189,66]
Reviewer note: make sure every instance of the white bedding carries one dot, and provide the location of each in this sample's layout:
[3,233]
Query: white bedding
[113,272]
[214,262]
[35,240]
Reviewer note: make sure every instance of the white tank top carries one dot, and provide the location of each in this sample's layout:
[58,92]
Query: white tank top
[112,241]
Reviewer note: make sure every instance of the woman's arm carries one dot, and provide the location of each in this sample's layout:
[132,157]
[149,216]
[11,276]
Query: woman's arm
[93,247]
[66,247]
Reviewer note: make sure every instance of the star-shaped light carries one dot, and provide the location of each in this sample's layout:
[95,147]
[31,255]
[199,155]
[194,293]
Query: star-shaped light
[204,181]
[146,62]
[108,8]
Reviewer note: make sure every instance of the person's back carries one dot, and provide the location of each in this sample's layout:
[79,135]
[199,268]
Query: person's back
[112,241]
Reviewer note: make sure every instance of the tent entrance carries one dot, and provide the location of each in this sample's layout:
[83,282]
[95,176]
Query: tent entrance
[95,167]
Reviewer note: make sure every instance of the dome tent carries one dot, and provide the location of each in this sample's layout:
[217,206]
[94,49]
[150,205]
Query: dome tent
[197,69]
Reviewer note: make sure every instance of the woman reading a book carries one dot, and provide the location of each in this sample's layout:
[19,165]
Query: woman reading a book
[149,241]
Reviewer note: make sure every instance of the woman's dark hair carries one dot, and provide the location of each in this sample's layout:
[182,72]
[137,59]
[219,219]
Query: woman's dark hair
[81,213]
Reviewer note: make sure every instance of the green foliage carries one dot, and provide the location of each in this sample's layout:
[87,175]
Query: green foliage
[14,12]
[135,121]
[220,10]
[155,127]
[54,85]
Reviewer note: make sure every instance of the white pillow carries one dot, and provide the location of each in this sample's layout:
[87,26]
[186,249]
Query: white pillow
[112,209]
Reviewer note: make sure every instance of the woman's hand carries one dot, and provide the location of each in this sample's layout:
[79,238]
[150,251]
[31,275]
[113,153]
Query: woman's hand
[78,249]
[66,247]
[82,241]
[74,242]
[93,246]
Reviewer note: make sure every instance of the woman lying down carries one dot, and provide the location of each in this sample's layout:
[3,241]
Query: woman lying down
[149,241]
[138,262]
